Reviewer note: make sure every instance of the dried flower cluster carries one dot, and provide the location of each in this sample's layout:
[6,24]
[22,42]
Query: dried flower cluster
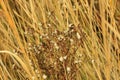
[56,51]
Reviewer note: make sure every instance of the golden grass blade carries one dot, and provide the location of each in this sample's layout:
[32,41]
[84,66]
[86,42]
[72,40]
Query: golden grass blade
[12,25]
[18,59]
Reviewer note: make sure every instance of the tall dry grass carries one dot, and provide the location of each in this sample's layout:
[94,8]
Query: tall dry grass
[59,40]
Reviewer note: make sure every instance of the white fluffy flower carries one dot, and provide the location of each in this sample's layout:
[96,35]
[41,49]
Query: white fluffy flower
[49,24]
[65,57]
[44,76]
[93,61]
[56,46]
[78,35]
[61,59]
[77,61]
[71,41]
[60,37]
[68,69]
[70,25]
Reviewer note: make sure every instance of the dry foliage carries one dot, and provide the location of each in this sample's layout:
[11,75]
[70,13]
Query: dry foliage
[59,39]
